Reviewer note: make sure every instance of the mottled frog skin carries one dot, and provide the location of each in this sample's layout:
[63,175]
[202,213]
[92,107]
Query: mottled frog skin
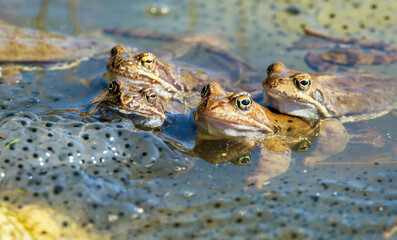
[231,125]
[340,97]
[30,49]
[226,114]
[141,106]
[25,49]
[223,114]
[28,45]
[144,69]
[348,96]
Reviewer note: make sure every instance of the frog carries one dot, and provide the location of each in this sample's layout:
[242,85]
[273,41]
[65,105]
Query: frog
[341,53]
[27,49]
[208,42]
[174,83]
[142,106]
[231,125]
[347,96]
[344,97]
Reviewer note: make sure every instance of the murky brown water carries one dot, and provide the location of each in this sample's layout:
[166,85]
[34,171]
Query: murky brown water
[84,171]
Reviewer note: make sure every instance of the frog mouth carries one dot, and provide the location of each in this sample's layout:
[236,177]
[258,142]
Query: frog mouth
[292,106]
[147,119]
[220,127]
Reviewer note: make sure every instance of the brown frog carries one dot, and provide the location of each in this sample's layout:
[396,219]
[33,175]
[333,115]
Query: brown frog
[339,53]
[231,124]
[348,96]
[142,106]
[23,49]
[179,45]
[144,69]
[241,116]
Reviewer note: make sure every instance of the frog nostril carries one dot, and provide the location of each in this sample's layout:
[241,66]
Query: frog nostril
[117,62]
[273,83]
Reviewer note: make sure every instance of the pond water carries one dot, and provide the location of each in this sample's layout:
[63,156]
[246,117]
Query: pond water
[119,183]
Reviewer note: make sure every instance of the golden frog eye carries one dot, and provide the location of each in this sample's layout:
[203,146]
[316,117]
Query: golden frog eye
[205,90]
[244,102]
[148,60]
[113,51]
[113,86]
[303,82]
[243,160]
[150,95]
[269,69]
[118,49]
[302,146]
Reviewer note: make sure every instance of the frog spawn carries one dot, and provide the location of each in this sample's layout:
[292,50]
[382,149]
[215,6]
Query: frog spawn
[346,17]
[141,200]
[79,166]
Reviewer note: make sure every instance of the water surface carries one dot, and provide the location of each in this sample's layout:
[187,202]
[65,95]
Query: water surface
[129,184]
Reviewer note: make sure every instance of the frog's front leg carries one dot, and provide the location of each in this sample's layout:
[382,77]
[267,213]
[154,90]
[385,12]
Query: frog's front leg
[270,165]
[332,139]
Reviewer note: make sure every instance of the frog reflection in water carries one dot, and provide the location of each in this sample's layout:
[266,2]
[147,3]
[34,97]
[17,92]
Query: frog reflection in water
[231,125]
[340,53]
[141,106]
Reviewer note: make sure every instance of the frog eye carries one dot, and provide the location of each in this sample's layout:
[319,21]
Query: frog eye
[269,69]
[113,51]
[244,102]
[150,95]
[303,82]
[205,91]
[118,49]
[113,86]
[302,146]
[148,61]
[241,161]
[244,160]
